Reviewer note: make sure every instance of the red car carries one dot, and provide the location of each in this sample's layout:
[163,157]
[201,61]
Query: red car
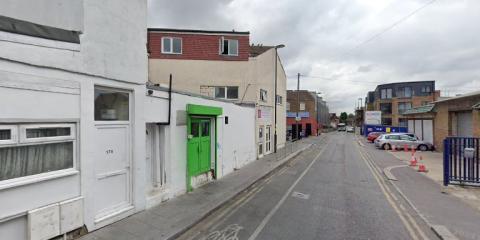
[373,135]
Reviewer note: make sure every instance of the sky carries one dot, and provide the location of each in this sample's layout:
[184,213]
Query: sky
[344,48]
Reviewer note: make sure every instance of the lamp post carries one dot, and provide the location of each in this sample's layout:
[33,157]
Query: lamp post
[275,101]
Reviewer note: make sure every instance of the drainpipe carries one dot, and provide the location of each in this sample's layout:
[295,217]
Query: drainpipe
[169,102]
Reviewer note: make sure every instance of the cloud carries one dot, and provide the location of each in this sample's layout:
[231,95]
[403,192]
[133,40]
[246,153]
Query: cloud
[325,40]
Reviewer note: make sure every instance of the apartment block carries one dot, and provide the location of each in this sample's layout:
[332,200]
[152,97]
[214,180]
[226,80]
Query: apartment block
[394,99]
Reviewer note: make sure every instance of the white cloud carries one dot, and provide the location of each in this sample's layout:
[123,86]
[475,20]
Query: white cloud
[438,43]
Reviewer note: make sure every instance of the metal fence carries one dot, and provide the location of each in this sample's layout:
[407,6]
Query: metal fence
[461,161]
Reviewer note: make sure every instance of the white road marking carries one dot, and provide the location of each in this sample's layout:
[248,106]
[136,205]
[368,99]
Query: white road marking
[282,200]
[229,233]
[388,173]
[301,195]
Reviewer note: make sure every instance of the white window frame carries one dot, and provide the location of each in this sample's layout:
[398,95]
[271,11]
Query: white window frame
[302,106]
[226,92]
[222,45]
[24,128]
[21,134]
[171,45]
[288,106]
[13,134]
[279,99]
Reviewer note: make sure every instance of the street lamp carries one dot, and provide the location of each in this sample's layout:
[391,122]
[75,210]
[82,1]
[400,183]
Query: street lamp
[275,102]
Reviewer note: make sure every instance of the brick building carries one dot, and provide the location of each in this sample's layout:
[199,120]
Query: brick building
[393,99]
[304,103]
[225,66]
[457,116]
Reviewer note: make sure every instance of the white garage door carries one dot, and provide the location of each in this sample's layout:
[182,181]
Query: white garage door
[464,124]
[428,131]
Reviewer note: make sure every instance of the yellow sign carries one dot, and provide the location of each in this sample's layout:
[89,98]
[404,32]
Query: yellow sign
[387,130]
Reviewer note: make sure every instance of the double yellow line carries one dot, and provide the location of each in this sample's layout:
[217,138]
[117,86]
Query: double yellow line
[410,224]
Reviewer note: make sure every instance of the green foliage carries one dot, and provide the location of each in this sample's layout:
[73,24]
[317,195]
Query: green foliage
[343,117]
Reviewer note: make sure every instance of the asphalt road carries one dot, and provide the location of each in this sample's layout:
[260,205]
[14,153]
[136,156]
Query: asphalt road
[330,191]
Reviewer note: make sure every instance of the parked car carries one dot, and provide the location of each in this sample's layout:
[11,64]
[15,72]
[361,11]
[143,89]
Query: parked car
[341,127]
[350,129]
[373,135]
[386,141]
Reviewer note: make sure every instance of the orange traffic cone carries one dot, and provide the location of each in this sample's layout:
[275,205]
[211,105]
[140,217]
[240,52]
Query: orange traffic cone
[422,168]
[405,148]
[413,161]
[394,148]
[413,150]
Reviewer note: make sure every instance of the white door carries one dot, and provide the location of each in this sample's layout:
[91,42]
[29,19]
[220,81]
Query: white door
[112,171]
[419,129]
[464,124]
[112,154]
[268,139]
[428,131]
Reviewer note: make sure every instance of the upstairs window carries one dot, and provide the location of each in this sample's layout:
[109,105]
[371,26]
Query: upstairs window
[302,106]
[405,92]
[404,106]
[426,89]
[386,93]
[171,45]
[230,92]
[263,95]
[288,106]
[279,100]
[386,108]
[228,47]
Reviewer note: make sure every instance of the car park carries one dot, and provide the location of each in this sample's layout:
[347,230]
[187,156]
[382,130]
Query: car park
[400,140]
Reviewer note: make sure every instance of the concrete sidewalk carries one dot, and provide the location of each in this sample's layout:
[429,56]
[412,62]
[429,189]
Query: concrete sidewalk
[170,219]
[434,163]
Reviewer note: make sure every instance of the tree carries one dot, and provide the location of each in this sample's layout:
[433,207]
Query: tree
[343,117]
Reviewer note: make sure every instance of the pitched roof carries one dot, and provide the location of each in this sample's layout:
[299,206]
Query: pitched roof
[418,110]
[470,94]
[256,50]
[476,106]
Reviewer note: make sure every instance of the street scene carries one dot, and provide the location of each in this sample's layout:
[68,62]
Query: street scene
[239,120]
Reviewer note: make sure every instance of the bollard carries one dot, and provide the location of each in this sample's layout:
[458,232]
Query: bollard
[422,168]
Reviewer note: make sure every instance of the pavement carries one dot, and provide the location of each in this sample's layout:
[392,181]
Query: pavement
[330,191]
[449,216]
[434,163]
[172,218]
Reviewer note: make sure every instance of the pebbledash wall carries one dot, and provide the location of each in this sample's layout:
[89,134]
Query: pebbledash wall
[231,153]
[50,84]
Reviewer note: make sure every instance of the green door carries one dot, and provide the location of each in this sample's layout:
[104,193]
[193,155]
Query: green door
[199,146]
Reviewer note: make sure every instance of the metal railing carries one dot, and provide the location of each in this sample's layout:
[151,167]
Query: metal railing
[461,161]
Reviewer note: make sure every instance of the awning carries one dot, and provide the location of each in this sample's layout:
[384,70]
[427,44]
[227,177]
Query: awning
[419,110]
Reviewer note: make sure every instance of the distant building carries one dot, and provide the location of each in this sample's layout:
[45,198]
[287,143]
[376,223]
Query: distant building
[223,65]
[302,103]
[457,116]
[334,120]
[393,99]
[323,115]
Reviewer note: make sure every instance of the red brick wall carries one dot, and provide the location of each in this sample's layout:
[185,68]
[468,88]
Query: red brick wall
[198,46]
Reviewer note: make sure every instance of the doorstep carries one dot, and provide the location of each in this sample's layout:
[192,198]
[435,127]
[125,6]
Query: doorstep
[172,218]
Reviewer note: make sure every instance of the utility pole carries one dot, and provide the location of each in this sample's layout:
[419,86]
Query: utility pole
[298,100]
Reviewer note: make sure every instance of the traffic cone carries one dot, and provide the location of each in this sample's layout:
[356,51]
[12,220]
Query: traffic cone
[405,148]
[394,148]
[413,150]
[413,161]
[422,168]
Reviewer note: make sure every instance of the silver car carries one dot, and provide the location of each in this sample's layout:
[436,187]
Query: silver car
[399,140]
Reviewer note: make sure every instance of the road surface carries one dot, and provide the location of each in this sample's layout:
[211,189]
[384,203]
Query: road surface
[331,191]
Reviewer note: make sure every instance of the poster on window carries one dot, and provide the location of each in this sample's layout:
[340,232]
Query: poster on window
[373,117]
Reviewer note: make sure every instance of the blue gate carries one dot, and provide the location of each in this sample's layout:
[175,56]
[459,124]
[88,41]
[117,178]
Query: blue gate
[461,161]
